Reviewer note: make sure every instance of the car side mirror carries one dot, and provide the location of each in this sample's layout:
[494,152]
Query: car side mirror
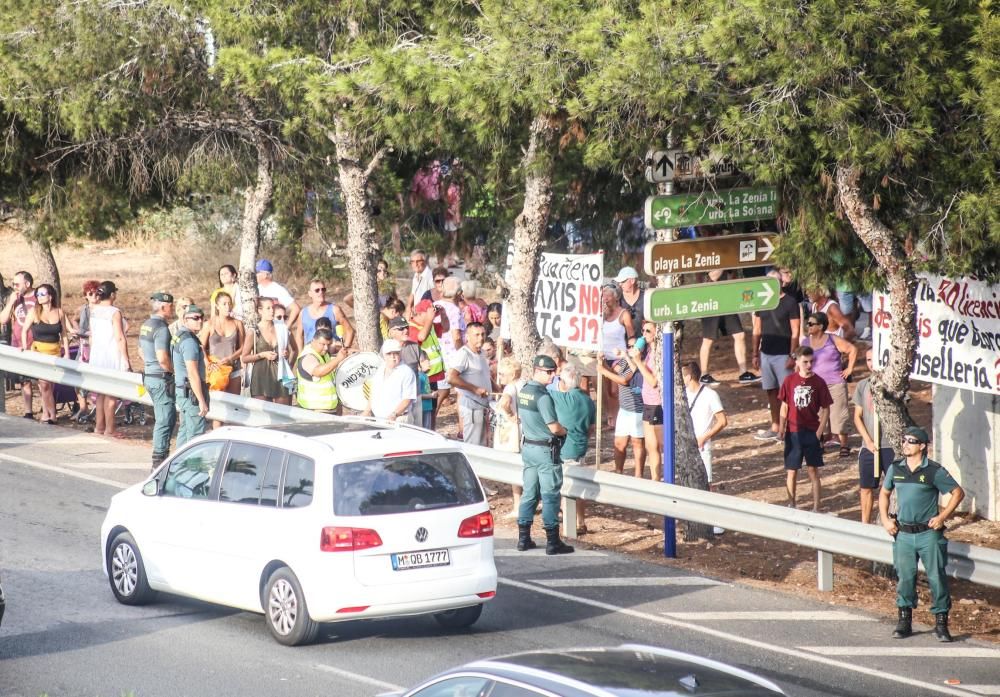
[151,488]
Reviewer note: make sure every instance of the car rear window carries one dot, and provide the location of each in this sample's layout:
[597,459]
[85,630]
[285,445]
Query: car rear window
[402,484]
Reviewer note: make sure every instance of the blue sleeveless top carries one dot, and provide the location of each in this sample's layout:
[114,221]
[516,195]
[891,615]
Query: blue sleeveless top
[309,324]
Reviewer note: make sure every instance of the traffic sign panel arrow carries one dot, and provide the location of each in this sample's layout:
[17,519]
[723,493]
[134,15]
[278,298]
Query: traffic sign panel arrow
[712,299]
[709,253]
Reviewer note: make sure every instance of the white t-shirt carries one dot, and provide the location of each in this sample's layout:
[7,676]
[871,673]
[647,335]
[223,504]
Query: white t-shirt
[421,283]
[704,410]
[473,368]
[388,391]
[276,291]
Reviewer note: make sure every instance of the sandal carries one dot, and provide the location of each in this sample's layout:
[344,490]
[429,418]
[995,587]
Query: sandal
[845,451]
[117,435]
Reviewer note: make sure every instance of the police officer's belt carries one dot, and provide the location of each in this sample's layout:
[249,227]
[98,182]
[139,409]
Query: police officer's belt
[914,528]
[546,443]
[162,376]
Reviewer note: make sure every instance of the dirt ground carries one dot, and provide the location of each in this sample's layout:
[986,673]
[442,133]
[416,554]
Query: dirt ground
[742,466]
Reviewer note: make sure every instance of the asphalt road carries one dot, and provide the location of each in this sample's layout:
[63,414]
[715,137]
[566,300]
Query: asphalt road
[64,634]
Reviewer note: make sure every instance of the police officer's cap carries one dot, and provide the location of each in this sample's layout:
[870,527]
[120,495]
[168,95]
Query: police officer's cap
[544,362]
[193,310]
[162,296]
[918,433]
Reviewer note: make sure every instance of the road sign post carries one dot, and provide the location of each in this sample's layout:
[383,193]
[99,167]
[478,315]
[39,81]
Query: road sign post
[709,253]
[712,208]
[711,299]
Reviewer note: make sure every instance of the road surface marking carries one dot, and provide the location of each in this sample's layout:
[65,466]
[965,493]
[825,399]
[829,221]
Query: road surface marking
[634,581]
[719,634]
[360,678]
[983,689]
[109,465]
[51,440]
[914,651]
[540,551]
[63,470]
[769,615]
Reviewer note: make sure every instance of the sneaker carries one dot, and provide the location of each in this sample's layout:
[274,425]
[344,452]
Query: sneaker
[707,379]
[832,444]
[748,378]
[717,530]
[766,435]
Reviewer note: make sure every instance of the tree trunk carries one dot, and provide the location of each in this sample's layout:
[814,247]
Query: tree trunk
[890,385]
[362,243]
[257,199]
[46,270]
[529,230]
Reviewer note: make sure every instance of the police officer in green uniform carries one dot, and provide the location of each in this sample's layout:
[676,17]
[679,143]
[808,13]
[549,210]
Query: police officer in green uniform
[919,529]
[189,374]
[158,372]
[543,437]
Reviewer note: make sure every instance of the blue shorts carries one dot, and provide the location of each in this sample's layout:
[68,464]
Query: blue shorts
[802,445]
[867,479]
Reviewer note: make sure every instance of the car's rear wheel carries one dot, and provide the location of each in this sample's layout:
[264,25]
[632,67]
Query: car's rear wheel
[285,610]
[127,573]
[459,619]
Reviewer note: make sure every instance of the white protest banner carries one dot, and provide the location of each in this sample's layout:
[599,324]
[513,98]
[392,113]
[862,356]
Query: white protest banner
[958,333]
[568,300]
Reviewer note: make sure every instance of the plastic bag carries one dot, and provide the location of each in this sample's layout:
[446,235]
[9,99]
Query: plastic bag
[217,376]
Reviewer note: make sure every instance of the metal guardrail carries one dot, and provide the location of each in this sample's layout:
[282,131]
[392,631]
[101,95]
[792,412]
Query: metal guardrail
[827,534]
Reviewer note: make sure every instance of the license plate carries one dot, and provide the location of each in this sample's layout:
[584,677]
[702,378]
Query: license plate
[420,560]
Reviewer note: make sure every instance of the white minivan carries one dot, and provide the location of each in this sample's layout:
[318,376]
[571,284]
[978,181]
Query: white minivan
[309,523]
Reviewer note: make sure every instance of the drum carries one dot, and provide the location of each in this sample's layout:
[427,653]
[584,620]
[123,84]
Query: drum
[352,378]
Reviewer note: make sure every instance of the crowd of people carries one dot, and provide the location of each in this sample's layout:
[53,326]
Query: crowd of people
[441,341]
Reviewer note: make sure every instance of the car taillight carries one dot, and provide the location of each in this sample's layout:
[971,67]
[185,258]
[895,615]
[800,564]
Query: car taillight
[479,525]
[348,539]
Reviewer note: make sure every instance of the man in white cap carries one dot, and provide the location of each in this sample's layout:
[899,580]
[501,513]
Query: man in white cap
[632,295]
[393,389]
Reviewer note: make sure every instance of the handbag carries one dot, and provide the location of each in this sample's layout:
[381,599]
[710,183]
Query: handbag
[507,435]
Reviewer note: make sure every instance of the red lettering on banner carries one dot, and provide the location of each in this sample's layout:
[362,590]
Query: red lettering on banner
[590,300]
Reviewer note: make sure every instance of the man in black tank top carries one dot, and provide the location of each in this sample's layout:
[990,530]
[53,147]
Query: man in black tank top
[632,296]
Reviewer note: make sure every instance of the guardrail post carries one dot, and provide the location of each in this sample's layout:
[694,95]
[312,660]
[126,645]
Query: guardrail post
[669,452]
[824,570]
[569,516]
[3,392]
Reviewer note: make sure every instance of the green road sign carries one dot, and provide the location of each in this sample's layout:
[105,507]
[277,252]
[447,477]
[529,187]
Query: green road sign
[712,299]
[712,208]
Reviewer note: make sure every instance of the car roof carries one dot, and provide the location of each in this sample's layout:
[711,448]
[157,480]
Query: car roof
[357,436]
[621,671]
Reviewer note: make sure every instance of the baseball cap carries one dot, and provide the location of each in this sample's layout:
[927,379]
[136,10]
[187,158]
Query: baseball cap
[398,323]
[423,306]
[626,273]
[162,296]
[918,433]
[264,265]
[391,346]
[193,310]
[544,362]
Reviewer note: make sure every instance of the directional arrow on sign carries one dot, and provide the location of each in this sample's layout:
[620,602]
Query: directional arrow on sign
[709,253]
[711,299]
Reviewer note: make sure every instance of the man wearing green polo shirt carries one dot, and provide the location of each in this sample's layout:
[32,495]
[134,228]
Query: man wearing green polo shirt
[576,412]
[540,454]
[919,529]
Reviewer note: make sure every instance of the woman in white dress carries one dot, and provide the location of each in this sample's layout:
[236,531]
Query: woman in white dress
[108,350]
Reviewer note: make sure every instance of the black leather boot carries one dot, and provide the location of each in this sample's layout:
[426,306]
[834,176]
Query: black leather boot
[904,627]
[158,459]
[941,627]
[524,541]
[553,545]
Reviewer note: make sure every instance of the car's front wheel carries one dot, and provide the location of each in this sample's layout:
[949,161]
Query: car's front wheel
[127,573]
[285,610]
[459,619]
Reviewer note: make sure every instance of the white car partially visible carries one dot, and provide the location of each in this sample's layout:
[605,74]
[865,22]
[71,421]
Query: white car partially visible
[309,523]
